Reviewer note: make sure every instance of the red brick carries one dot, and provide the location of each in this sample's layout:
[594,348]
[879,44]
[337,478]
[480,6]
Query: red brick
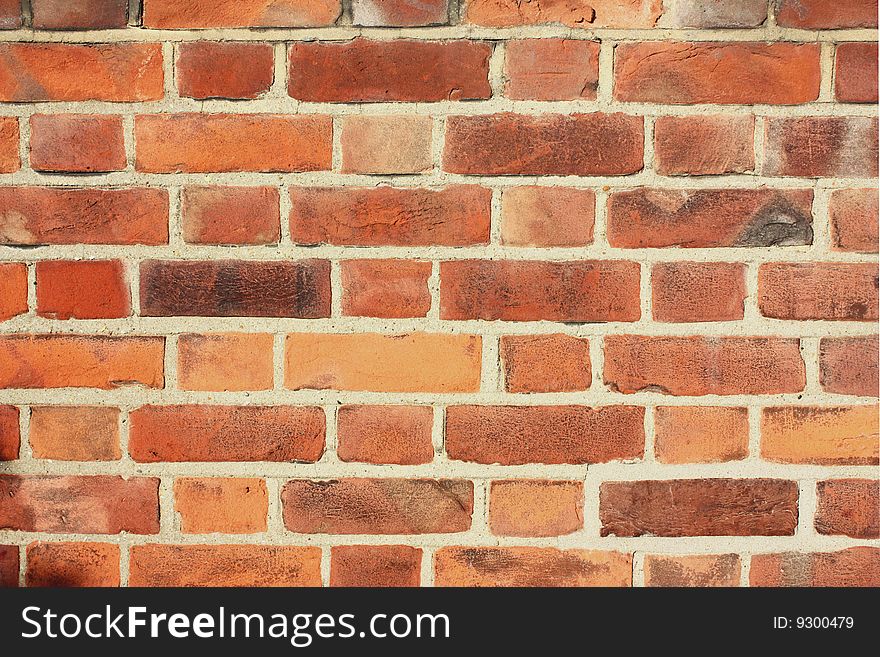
[77,143]
[571,13]
[386,144]
[818,290]
[547,216]
[857,566]
[71,565]
[385,216]
[713,13]
[545,363]
[695,365]
[98,504]
[45,215]
[657,218]
[551,69]
[10,437]
[853,215]
[849,366]
[530,566]
[744,73]
[224,565]
[699,507]
[230,215]
[524,507]
[850,507]
[399,13]
[550,145]
[381,71]
[375,565]
[385,288]
[855,73]
[205,143]
[79,14]
[117,72]
[82,289]
[221,505]
[385,434]
[692,570]
[704,145]
[698,291]
[8,561]
[208,69]
[13,289]
[821,14]
[10,161]
[411,362]
[227,433]
[378,506]
[235,288]
[516,435]
[821,146]
[75,433]
[523,290]
[221,362]
[700,434]
[81,361]
[203,14]
[827,435]
[10,19]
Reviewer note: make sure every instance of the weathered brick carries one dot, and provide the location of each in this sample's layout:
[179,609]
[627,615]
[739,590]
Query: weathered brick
[530,566]
[230,215]
[79,14]
[66,565]
[849,506]
[698,291]
[9,558]
[821,146]
[10,436]
[399,13]
[699,507]
[696,365]
[742,73]
[524,507]
[46,215]
[523,290]
[412,362]
[203,14]
[235,288]
[402,70]
[588,14]
[386,216]
[10,160]
[375,565]
[709,144]
[13,290]
[218,69]
[81,361]
[818,290]
[386,144]
[385,434]
[378,506]
[221,505]
[75,433]
[551,69]
[205,143]
[828,435]
[225,361]
[545,363]
[820,14]
[700,434]
[550,144]
[853,215]
[713,13]
[385,288]
[98,504]
[658,218]
[855,73]
[82,289]
[856,566]
[849,366]
[226,433]
[516,435]
[155,565]
[692,570]
[10,19]
[113,72]
[547,216]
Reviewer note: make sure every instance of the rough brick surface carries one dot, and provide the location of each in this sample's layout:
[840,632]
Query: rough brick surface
[79,14]
[66,565]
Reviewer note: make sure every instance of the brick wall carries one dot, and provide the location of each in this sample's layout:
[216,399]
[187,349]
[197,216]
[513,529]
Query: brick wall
[557,292]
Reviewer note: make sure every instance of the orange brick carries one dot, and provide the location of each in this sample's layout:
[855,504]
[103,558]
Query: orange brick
[697,570]
[222,505]
[9,565]
[75,433]
[225,361]
[10,160]
[824,15]
[818,290]
[375,565]
[64,565]
[545,363]
[704,144]
[698,291]
[840,435]
[231,215]
[196,14]
[13,290]
[385,288]
[77,143]
[79,14]
[856,566]
[10,435]
[700,434]
[853,214]
[547,216]
[524,507]
[233,70]
[386,144]
[850,507]
[849,366]
[551,69]
[87,289]
[571,13]
[413,362]
[385,434]
[855,72]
